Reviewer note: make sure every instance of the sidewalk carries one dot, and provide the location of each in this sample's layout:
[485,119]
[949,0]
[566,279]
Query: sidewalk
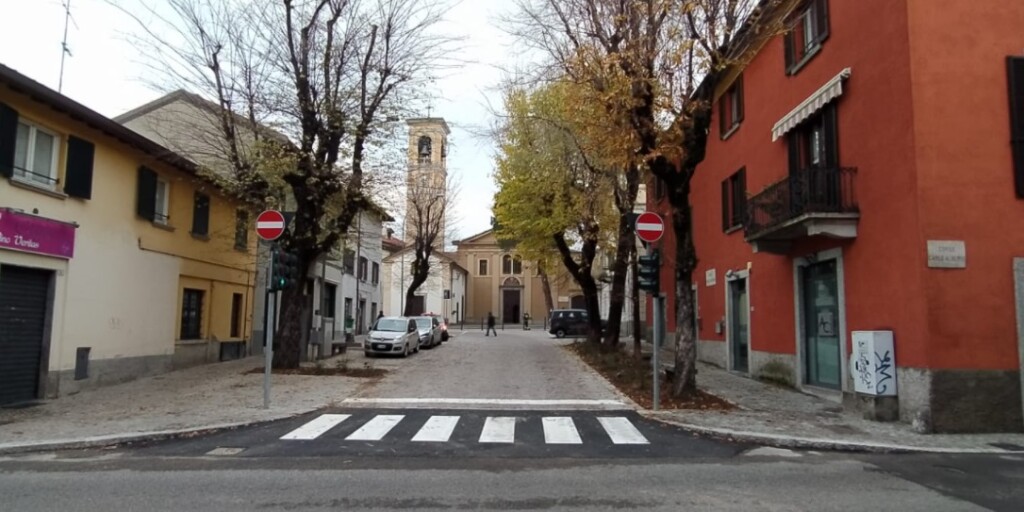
[778,416]
[205,397]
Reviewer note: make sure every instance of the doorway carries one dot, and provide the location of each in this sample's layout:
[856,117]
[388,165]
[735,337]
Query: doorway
[416,305]
[577,302]
[738,329]
[511,302]
[25,298]
[821,329]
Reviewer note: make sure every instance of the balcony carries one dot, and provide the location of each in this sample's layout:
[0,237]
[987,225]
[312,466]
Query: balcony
[817,201]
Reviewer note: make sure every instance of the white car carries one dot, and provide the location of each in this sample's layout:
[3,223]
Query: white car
[392,335]
[430,330]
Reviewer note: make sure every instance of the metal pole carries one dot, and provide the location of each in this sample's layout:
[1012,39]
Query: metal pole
[268,330]
[659,332]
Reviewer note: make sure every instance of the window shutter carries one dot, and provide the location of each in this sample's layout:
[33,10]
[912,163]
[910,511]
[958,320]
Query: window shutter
[739,99]
[1015,73]
[790,58]
[723,111]
[821,19]
[78,172]
[201,214]
[146,200]
[8,139]
[725,205]
[830,122]
[741,196]
[794,152]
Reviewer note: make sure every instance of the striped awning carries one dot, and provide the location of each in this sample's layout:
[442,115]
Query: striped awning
[828,92]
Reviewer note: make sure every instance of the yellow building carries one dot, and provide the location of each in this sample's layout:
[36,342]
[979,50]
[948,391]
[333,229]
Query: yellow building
[117,260]
[500,282]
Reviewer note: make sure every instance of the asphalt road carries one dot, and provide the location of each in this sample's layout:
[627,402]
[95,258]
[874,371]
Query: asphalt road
[771,482]
[506,423]
[462,433]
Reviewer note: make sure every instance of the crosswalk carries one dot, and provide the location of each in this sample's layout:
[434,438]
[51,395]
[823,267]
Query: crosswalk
[497,430]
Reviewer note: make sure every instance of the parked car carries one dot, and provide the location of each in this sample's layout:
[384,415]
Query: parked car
[571,322]
[429,328]
[392,335]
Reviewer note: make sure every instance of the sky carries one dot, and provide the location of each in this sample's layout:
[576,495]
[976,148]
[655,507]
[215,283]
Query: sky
[104,73]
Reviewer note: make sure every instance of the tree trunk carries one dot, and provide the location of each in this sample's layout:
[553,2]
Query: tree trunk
[685,380]
[288,335]
[419,273]
[549,301]
[581,273]
[637,334]
[618,295]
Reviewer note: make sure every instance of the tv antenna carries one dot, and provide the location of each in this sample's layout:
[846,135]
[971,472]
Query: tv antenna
[65,50]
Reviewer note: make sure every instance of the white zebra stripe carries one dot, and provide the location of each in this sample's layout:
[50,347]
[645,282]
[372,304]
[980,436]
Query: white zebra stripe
[316,427]
[376,429]
[561,430]
[437,429]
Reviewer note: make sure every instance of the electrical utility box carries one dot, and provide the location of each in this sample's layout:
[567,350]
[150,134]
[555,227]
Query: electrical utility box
[873,363]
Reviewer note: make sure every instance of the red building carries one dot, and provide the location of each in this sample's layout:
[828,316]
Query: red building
[863,178]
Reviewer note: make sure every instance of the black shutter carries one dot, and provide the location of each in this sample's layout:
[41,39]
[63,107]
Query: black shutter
[78,172]
[794,152]
[723,114]
[725,205]
[790,57]
[821,19]
[740,193]
[1015,73]
[146,200]
[201,214]
[8,139]
[831,130]
[739,99]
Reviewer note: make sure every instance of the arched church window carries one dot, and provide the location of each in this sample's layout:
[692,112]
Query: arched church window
[511,265]
[424,150]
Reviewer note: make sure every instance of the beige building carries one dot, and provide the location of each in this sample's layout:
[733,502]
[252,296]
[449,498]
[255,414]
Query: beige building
[502,283]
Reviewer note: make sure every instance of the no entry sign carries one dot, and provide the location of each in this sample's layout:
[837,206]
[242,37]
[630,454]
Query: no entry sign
[270,225]
[649,227]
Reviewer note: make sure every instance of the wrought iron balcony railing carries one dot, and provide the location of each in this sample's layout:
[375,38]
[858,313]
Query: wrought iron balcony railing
[805,193]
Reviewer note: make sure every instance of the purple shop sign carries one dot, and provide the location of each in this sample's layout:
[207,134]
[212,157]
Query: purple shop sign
[29,233]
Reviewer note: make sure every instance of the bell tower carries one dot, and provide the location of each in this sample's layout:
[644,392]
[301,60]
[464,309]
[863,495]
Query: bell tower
[428,172]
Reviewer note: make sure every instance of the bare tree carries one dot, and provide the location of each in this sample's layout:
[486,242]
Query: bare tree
[332,76]
[657,65]
[428,221]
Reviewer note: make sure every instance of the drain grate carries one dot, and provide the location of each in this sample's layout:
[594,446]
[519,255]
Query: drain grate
[1010,447]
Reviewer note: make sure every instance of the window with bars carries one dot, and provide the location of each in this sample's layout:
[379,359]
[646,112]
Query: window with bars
[36,154]
[191,314]
[730,109]
[236,315]
[808,30]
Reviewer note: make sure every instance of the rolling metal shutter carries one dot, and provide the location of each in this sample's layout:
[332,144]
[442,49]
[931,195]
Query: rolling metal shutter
[23,302]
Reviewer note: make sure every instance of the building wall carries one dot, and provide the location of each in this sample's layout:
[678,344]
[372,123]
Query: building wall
[961,135]
[120,293]
[485,291]
[933,163]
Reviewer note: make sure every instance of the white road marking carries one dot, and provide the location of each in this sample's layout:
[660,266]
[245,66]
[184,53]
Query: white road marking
[499,430]
[479,401]
[560,430]
[376,429]
[437,429]
[622,431]
[317,427]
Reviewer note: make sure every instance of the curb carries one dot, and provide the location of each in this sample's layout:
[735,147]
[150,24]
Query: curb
[134,437]
[839,445]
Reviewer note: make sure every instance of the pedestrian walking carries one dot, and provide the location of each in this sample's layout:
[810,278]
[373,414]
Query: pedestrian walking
[490,325]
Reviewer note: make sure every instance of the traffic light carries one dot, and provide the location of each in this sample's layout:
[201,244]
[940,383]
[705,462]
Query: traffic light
[648,272]
[284,270]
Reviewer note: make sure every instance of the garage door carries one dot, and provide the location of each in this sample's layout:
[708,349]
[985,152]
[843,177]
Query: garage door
[23,302]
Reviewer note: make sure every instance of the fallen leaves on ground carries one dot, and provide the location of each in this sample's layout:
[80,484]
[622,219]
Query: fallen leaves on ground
[634,379]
